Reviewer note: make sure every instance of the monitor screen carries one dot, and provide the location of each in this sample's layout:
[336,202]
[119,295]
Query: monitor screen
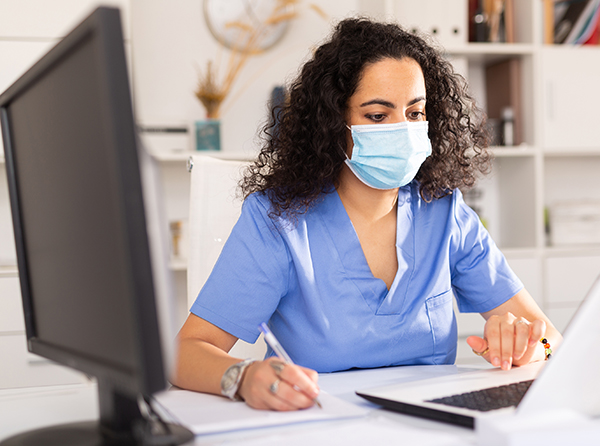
[90,286]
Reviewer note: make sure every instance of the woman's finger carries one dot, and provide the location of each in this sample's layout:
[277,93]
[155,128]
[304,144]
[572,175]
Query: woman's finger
[299,379]
[493,335]
[507,332]
[521,343]
[478,345]
[283,396]
[273,384]
[538,331]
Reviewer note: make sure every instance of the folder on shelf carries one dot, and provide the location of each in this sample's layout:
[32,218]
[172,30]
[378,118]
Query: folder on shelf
[509,21]
[445,20]
[503,89]
[549,21]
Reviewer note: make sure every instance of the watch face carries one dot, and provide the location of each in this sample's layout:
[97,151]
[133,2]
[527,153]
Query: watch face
[230,377]
[234,22]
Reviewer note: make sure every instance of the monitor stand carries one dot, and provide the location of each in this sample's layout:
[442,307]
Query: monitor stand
[89,434]
[121,424]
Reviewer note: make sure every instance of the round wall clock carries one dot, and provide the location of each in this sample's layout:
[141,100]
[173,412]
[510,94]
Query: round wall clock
[233,22]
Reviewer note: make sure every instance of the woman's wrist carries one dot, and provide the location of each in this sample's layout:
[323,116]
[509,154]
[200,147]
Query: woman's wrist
[231,381]
[243,380]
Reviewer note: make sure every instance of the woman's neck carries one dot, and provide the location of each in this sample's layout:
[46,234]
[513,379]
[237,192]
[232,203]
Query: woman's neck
[363,201]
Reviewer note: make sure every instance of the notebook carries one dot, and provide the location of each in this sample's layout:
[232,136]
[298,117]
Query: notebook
[568,380]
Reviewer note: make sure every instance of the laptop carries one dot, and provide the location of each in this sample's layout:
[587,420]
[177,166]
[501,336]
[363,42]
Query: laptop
[568,380]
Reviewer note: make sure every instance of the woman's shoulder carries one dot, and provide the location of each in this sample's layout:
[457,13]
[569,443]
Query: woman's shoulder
[450,197]
[451,206]
[257,199]
[262,202]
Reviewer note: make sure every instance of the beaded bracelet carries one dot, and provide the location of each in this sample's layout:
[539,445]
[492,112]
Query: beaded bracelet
[547,349]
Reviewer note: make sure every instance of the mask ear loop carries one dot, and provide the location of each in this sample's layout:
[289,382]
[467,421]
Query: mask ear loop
[341,148]
[344,152]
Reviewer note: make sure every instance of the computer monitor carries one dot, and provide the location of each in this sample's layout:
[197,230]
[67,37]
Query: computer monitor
[90,247]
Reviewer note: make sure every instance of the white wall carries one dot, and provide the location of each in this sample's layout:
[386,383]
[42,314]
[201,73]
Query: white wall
[28,29]
[171,42]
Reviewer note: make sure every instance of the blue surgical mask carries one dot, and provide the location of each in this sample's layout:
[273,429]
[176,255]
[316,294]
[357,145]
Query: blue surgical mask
[387,156]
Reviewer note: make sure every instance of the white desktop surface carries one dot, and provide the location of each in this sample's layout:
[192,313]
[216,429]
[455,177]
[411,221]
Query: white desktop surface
[25,409]
[35,407]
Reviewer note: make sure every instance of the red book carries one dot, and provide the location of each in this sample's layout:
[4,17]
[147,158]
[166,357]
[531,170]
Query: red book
[594,38]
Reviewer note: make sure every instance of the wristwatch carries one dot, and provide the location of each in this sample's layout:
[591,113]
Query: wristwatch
[232,377]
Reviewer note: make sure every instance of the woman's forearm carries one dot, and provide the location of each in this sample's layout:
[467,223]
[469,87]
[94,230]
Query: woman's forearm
[200,365]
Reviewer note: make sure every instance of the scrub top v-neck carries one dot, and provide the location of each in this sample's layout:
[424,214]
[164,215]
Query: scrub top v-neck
[308,277]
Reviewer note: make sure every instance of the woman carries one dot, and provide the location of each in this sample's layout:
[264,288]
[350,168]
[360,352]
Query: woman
[354,236]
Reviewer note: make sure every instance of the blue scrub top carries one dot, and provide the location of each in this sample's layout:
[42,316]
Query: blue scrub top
[310,280]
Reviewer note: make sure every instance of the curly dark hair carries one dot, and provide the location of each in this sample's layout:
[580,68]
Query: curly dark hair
[301,158]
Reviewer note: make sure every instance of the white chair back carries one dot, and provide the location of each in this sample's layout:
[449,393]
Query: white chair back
[214,210]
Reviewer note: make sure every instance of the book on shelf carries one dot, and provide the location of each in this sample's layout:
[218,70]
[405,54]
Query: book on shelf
[573,22]
[586,26]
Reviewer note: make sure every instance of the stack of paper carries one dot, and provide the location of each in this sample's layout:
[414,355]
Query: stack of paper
[207,414]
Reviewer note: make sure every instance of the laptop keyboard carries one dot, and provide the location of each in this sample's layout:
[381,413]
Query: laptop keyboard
[485,400]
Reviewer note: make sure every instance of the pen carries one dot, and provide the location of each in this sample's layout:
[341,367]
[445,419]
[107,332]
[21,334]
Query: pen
[278,349]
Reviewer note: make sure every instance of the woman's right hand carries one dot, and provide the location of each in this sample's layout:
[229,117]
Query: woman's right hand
[274,385]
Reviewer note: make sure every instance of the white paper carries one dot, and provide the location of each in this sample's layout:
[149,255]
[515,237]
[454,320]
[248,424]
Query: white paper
[208,414]
[367,431]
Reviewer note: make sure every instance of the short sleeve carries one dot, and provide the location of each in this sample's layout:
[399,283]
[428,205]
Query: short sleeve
[481,276]
[250,276]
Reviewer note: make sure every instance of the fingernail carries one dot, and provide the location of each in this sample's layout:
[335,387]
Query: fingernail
[506,365]
[496,362]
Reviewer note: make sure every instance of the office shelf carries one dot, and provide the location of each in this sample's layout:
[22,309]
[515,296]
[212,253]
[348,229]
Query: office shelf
[178,264]
[515,151]
[9,271]
[169,156]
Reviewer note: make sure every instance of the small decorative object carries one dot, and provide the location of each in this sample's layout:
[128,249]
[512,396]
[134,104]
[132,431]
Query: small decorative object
[508,126]
[208,134]
[179,238]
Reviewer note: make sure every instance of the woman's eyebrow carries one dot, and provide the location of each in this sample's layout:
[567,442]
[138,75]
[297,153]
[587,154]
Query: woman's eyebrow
[389,104]
[383,102]
[415,100]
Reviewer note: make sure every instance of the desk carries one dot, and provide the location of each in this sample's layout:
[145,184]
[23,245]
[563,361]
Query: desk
[25,409]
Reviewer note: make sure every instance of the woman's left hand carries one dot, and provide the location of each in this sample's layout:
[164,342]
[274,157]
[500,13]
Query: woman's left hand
[509,340]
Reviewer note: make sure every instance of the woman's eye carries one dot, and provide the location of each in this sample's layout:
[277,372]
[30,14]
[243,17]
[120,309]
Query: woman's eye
[378,117]
[417,116]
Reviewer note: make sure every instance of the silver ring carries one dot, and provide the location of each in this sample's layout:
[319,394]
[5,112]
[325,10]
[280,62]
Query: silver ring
[521,322]
[274,387]
[277,366]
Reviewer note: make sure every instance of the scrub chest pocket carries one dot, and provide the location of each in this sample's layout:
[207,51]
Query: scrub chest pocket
[443,327]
